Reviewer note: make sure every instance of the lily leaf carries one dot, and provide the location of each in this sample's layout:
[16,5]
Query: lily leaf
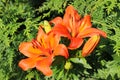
[81,61]
[75,60]
[84,62]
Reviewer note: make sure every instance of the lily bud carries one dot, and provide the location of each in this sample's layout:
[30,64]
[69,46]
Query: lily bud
[90,45]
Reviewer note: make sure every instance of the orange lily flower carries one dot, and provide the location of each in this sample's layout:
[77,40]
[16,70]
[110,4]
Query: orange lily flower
[41,52]
[75,28]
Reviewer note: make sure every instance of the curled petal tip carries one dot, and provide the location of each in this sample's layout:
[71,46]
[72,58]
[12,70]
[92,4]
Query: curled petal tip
[104,35]
[75,43]
[56,20]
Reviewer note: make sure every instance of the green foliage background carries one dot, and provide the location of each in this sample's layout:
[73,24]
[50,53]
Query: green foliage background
[20,19]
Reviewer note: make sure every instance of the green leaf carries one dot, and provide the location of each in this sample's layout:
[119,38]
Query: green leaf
[75,60]
[81,61]
[84,62]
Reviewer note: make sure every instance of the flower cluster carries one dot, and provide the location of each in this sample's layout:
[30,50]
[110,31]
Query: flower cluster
[42,50]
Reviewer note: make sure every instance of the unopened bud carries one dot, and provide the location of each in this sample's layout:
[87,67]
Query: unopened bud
[68,65]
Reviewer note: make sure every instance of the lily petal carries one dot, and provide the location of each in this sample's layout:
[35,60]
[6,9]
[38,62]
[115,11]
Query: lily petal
[71,19]
[44,66]
[28,50]
[92,31]
[90,45]
[75,43]
[53,40]
[56,20]
[40,34]
[61,30]
[28,63]
[85,23]
[61,50]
